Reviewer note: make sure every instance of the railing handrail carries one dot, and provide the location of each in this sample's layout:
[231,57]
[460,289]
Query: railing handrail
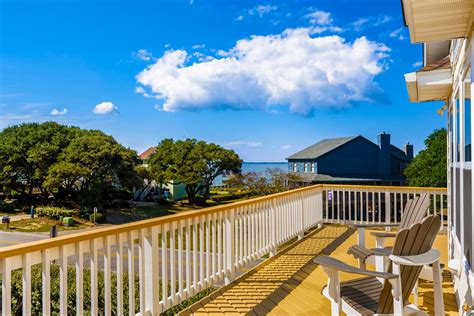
[39,245]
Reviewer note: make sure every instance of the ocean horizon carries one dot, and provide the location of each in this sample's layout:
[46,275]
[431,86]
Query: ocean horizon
[257,166]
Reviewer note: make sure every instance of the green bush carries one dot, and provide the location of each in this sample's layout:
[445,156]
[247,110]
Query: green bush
[6,207]
[54,212]
[98,217]
[230,196]
[36,294]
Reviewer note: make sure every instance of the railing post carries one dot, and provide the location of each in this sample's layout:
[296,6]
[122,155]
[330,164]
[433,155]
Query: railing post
[301,223]
[273,229]
[387,209]
[229,246]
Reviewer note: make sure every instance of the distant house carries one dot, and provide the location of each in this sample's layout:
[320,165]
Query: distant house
[172,190]
[145,156]
[352,159]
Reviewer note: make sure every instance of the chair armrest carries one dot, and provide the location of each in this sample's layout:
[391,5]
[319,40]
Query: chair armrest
[428,257]
[383,234]
[372,225]
[338,265]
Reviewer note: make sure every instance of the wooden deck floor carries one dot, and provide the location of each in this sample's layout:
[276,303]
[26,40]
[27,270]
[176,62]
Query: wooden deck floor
[290,284]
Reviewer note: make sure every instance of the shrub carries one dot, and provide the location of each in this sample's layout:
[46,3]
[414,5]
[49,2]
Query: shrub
[17,293]
[6,207]
[54,212]
[98,217]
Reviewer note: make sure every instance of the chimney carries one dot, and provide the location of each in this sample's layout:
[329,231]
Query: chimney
[384,155]
[408,150]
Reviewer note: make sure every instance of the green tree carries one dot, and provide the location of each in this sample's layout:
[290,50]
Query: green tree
[91,163]
[194,163]
[27,151]
[428,168]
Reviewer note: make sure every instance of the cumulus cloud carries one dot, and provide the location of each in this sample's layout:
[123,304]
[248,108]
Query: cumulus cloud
[417,64]
[105,108]
[57,112]
[319,17]
[241,143]
[371,21]
[398,33]
[239,18]
[143,54]
[293,69]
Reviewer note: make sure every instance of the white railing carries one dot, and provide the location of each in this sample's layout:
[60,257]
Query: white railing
[171,258]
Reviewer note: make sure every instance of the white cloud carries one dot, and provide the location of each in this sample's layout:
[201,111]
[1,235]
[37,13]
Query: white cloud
[319,17]
[105,108]
[198,46]
[239,18]
[241,143]
[398,33]
[417,64]
[371,21]
[288,146]
[143,54]
[57,112]
[139,90]
[291,69]
[261,10]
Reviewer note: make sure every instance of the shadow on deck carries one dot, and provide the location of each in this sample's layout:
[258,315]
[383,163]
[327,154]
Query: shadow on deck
[290,283]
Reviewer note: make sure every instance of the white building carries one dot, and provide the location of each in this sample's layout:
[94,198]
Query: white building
[444,27]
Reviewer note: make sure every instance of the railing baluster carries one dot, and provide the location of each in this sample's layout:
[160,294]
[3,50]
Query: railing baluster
[180,261]
[119,267]
[201,252]
[62,280]
[131,273]
[45,283]
[79,279]
[26,280]
[188,258]
[107,277]
[7,287]
[172,267]
[164,265]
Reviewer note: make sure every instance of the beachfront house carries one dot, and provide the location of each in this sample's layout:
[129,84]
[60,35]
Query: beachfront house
[444,28]
[354,160]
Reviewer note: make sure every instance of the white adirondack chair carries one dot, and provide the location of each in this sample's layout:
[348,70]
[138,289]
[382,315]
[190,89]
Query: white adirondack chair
[388,292]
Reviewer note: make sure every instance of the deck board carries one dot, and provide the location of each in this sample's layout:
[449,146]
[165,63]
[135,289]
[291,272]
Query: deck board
[290,284]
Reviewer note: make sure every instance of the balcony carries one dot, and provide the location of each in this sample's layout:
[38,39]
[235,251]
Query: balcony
[147,267]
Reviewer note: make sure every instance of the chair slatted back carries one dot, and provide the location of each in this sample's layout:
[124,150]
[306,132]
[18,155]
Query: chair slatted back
[415,211]
[418,239]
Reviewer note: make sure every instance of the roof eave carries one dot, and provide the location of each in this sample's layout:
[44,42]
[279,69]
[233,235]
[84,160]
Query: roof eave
[431,85]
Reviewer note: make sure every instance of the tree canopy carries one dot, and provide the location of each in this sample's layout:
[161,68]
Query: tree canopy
[196,164]
[428,168]
[58,160]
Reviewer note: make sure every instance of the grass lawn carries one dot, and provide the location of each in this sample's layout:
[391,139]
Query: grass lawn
[40,224]
[143,210]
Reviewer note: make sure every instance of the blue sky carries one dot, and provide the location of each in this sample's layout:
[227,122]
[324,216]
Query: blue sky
[264,78]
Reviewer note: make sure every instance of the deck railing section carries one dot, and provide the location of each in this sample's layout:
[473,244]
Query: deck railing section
[169,259]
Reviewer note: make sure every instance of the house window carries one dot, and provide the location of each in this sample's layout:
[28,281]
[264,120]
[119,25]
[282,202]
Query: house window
[467,118]
[305,167]
[312,167]
[294,167]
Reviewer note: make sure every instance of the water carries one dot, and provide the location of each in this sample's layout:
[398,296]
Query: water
[259,167]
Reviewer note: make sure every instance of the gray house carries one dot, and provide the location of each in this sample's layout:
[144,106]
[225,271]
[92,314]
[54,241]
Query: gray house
[354,160]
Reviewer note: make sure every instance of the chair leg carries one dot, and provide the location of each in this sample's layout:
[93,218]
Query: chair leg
[438,289]
[415,294]
[361,236]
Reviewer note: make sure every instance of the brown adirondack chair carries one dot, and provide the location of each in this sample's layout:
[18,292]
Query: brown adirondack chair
[415,210]
[387,292]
